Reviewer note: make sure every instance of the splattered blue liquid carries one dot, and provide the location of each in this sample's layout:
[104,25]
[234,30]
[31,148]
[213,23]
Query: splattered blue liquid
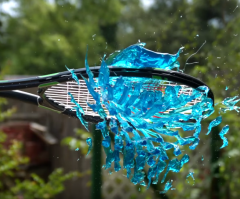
[140,118]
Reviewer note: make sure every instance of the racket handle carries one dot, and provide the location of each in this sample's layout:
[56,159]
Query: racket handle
[22,96]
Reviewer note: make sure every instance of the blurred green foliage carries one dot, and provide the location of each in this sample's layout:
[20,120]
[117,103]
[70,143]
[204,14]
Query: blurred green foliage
[78,142]
[44,35]
[48,36]
[13,185]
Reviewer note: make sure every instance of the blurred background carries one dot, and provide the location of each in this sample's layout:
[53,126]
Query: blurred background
[42,155]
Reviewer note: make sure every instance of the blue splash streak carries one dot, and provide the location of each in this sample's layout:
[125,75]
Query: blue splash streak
[75,102]
[89,72]
[74,76]
[94,94]
[89,143]
[190,175]
[106,143]
[79,115]
[117,149]
[224,131]
[230,102]
[168,185]
[175,165]
[214,123]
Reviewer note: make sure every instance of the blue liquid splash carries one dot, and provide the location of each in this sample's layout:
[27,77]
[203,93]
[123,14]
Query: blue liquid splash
[89,143]
[138,119]
[175,165]
[89,72]
[74,76]
[224,131]
[214,123]
[168,185]
[136,56]
[230,103]
[190,175]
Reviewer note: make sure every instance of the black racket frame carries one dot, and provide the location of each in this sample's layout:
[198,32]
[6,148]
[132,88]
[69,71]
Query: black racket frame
[10,88]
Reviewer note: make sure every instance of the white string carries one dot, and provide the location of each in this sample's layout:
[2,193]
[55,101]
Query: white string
[67,93]
[59,94]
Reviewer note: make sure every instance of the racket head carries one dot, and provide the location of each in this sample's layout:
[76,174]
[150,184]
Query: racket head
[54,88]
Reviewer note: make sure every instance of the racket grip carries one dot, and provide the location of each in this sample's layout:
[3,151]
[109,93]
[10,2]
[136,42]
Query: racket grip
[22,96]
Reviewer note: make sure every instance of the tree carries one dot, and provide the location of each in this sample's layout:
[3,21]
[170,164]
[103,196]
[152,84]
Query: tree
[49,36]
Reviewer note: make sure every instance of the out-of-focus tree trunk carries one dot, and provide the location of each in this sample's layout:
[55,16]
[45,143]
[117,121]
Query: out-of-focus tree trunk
[96,164]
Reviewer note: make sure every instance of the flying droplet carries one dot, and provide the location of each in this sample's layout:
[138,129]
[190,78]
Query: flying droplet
[89,143]
[224,131]
[168,185]
[190,175]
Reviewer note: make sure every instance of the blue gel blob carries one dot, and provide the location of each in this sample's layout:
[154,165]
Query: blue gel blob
[89,143]
[190,175]
[168,185]
[230,103]
[175,165]
[224,131]
[128,160]
[214,123]
[136,56]
[102,126]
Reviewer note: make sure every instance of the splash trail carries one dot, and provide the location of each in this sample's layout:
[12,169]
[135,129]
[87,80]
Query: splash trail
[142,112]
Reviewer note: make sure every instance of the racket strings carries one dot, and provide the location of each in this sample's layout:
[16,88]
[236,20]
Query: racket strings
[59,93]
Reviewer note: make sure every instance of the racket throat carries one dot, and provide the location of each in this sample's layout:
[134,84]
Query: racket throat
[44,102]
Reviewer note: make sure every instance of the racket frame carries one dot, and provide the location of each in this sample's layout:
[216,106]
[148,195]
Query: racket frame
[9,88]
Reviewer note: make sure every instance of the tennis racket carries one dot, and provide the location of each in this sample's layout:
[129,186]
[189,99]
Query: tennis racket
[52,90]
